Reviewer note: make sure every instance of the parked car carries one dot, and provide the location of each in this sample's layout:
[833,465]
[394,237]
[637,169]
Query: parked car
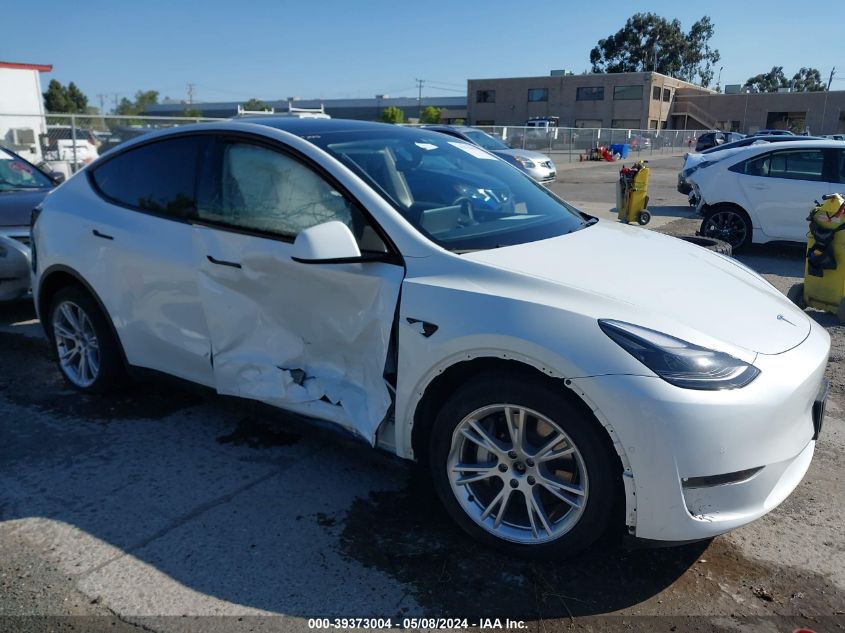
[764,192]
[22,187]
[310,264]
[714,139]
[694,161]
[539,166]
[638,142]
[121,134]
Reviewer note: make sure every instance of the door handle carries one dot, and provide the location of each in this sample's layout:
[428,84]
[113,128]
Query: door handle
[103,235]
[760,186]
[222,262]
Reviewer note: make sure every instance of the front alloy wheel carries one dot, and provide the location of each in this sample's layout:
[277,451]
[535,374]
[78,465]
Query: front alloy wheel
[517,474]
[521,465]
[728,225]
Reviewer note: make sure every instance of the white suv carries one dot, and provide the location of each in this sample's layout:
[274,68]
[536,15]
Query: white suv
[434,300]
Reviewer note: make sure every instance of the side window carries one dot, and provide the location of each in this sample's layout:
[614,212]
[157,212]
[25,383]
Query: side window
[797,165]
[757,166]
[260,189]
[159,177]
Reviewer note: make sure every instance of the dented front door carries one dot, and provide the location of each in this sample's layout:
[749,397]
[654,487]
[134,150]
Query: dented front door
[311,338]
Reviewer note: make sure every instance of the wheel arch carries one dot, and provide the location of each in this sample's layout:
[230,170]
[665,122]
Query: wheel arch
[441,381]
[51,282]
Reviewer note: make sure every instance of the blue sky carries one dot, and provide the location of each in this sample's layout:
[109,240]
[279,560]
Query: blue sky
[327,49]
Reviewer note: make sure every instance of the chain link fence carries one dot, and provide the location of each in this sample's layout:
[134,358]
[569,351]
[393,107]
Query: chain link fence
[565,144]
[66,142]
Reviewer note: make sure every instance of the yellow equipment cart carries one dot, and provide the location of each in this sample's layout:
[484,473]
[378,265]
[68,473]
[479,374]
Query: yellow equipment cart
[632,194]
[824,265]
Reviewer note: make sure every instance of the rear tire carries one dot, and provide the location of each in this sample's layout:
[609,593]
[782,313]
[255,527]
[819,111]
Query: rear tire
[581,467]
[87,350]
[840,311]
[710,243]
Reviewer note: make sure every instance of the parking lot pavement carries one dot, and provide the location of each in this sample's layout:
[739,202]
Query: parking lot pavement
[165,504]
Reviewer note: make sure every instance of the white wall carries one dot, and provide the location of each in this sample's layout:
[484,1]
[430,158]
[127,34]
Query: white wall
[20,93]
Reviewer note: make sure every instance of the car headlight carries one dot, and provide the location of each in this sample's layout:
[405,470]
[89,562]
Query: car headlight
[528,164]
[677,362]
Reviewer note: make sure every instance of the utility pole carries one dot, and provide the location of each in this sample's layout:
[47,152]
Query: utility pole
[420,83]
[102,99]
[830,79]
[191,93]
[115,95]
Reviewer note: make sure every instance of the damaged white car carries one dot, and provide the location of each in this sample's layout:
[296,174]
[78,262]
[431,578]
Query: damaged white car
[437,302]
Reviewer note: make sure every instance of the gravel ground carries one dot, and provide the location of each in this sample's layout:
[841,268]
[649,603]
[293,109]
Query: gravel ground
[166,508]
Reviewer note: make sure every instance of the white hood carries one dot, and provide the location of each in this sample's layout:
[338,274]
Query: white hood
[644,272]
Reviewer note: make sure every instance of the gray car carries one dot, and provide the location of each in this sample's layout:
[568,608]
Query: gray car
[539,166]
[22,187]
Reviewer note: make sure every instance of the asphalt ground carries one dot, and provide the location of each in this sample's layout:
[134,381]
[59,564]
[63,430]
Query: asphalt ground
[168,508]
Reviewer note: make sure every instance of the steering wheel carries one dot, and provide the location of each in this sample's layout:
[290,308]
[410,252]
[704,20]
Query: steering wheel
[466,206]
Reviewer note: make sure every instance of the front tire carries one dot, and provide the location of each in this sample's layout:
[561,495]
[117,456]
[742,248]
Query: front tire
[520,467]
[728,223]
[86,350]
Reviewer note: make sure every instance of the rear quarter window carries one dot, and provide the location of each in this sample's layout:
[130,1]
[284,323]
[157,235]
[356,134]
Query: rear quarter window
[158,177]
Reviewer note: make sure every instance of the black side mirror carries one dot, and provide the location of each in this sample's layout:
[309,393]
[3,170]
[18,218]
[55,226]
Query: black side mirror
[57,176]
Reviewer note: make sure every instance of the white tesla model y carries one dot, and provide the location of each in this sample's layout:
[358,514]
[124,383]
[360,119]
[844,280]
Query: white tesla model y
[435,301]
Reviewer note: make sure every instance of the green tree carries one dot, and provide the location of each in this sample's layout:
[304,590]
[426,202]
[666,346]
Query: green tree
[392,114]
[807,80]
[77,101]
[143,99]
[767,82]
[192,112]
[55,99]
[651,42]
[255,105]
[430,115]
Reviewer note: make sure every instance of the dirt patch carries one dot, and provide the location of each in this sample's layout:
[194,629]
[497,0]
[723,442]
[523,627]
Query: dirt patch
[29,377]
[408,536]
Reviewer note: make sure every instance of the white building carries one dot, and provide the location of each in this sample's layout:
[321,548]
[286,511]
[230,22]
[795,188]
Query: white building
[22,108]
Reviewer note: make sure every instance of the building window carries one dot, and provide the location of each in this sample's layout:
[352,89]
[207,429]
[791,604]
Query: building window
[590,93]
[485,96]
[627,93]
[485,122]
[538,94]
[652,124]
[625,124]
[655,93]
[588,123]
[667,95]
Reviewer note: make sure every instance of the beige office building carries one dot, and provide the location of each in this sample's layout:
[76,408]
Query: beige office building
[648,100]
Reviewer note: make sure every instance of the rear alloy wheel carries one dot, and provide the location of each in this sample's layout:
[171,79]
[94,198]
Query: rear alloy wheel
[85,347]
[729,224]
[519,467]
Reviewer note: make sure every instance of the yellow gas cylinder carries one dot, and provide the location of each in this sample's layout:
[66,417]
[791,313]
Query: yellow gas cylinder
[824,264]
[632,194]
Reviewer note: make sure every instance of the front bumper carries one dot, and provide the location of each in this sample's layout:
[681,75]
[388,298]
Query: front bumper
[543,173]
[673,437]
[683,186]
[15,275]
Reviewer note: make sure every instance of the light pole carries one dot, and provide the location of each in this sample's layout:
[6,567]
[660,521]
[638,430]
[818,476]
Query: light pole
[378,105]
[719,80]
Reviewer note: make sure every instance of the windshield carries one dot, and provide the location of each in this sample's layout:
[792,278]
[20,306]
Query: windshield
[485,140]
[454,193]
[16,173]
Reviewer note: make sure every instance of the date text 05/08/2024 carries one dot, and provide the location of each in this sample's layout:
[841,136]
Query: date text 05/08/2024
[414,623]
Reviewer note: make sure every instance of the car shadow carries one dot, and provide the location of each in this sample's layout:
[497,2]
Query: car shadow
[248,505]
